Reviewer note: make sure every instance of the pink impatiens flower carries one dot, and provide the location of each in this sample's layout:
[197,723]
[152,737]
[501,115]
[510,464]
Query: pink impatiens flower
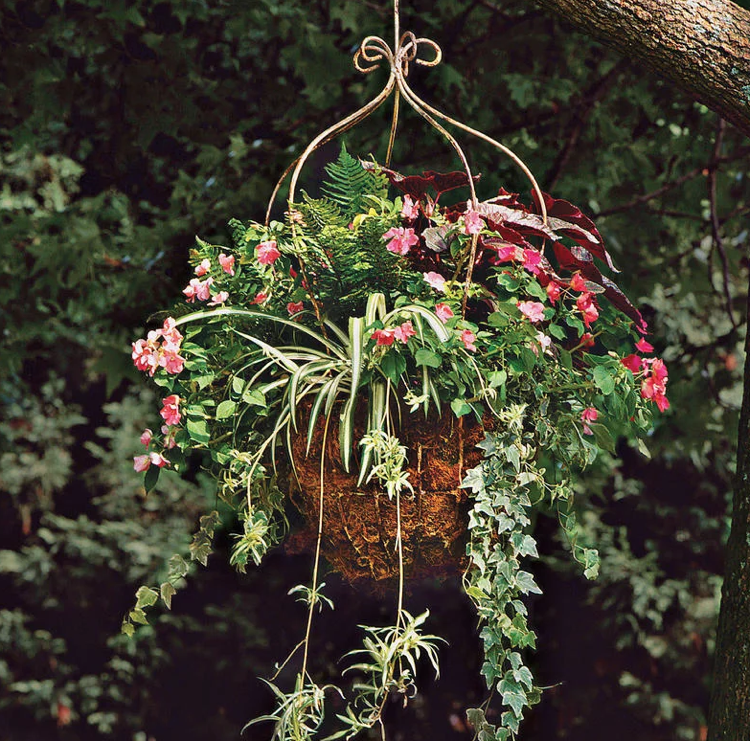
[545,341]
[401,239]
[145,356]
[141,463]
[473,222]
[435,280]
[267,252]
[403,332]
[227,263]
[157,459]
[531,260]
[218,298]
[171,410]
[294,307]
[198,289]
[169,433]
[643,345]
[590,414]
[203,268]
[468,338]
[443,312]
[146,437]
[260,297]
[532,310]
[410,209]
[150,354]
[508,253]
[384,336]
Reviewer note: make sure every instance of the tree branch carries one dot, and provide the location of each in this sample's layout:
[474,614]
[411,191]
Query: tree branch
[701,45]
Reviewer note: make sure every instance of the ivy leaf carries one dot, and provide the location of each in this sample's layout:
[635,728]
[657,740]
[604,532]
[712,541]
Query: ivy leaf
[145,597]
[460,407]
[167,590]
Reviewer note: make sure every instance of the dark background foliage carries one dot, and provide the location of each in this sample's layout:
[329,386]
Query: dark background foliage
[126,128]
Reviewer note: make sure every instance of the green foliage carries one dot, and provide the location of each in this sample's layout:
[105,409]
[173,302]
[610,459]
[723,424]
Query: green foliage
[109,168]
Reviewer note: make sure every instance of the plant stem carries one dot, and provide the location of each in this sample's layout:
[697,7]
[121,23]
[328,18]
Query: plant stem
[317,550]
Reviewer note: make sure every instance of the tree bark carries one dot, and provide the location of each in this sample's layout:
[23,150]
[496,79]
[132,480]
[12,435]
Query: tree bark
[704,47]
[701,45]
[729,716]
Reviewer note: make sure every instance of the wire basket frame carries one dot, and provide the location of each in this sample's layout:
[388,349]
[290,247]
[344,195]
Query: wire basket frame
[372,51]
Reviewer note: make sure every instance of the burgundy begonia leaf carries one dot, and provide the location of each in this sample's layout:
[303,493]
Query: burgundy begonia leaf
[569,220]
[533,224]
[508,199]
[580,259]
[418,186]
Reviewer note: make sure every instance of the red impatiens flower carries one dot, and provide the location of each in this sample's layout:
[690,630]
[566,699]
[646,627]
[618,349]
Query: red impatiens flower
[553,291]
[401,239]
[531,260]
[654,383]
[384,336]
[587,306]
[643,345]
[632,362]
[577,283]
[294,307]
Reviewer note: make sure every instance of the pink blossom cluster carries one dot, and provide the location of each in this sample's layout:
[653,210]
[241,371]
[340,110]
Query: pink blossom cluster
[170,412]
[151,353]
[400,239]
[590,414]
[530,257]
[402,333]
[654,371]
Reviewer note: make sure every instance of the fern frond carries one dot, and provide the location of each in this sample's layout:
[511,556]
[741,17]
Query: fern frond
[350,184]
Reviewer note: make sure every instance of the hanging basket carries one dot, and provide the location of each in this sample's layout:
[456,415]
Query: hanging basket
[360,523]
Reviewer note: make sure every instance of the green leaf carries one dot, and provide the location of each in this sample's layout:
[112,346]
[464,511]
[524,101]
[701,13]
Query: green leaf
[167,591]
[431,359]
[603,380]
[460,407]
[198,430]
[145,597]
[151,477]
[603,437]
[393,365]
[226,409]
